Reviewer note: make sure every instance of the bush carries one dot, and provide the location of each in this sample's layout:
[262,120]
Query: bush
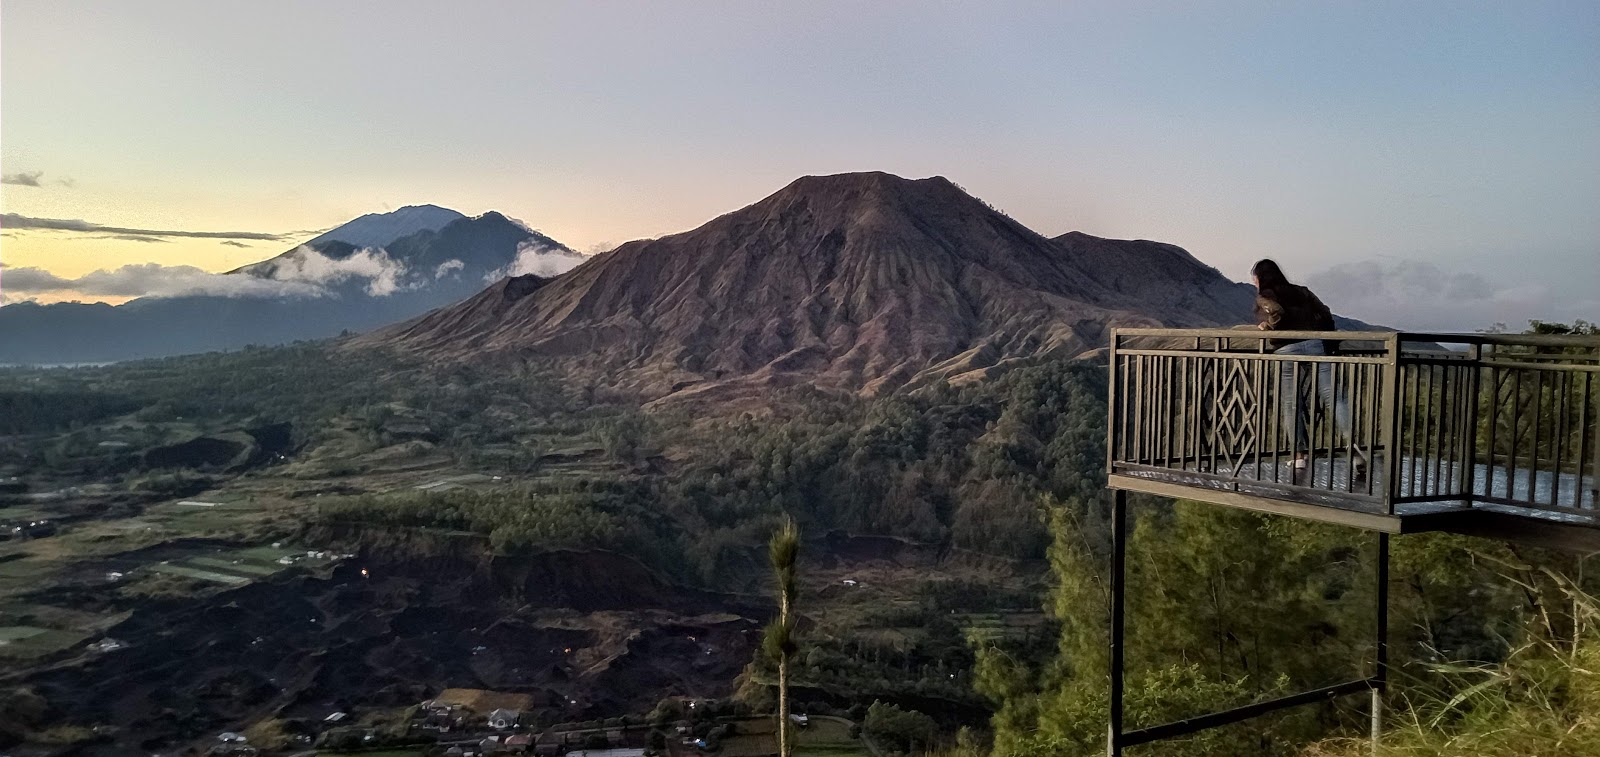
[666,711]
[904,730]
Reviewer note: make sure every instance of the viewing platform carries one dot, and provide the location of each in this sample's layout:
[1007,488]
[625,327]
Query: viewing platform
[1485,434]
[1491,435]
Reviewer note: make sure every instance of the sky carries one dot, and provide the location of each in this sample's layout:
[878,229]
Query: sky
[1423,165]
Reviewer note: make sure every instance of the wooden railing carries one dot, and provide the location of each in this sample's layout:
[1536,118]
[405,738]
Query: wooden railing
[1379,422]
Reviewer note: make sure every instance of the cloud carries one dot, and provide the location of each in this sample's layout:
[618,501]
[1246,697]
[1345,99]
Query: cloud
[132,238]
[384,275]
[30,279]
[447,267]
[151,280]
[538,259]
[23,179]
[15,221]
[1419,295]
[302,273]
[232,243]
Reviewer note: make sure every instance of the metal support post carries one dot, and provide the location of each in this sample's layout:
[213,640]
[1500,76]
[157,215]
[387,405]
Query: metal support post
[1119,546]
[1380,675]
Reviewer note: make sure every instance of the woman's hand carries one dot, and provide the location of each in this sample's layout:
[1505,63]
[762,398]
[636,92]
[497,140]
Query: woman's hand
[1262,326]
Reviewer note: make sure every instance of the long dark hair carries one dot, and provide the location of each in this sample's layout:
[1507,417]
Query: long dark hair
[1270,276]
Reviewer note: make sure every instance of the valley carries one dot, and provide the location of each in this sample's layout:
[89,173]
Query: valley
[232,586]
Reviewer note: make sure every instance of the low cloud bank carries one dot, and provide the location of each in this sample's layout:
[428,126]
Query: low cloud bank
[1421,296]
[303,273]
[148,280]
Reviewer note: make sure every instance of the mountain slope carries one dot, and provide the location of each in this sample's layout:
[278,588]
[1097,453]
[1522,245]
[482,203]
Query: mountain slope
[855,281]
[1156,274]
[356,290]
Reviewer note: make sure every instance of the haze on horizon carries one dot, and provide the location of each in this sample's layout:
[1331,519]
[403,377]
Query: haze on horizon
[1430,166]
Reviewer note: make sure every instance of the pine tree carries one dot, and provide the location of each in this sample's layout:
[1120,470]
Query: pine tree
[779,646]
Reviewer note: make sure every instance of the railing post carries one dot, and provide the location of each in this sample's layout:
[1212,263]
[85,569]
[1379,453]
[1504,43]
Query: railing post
[1112,414]
[1119,545]
[1594,467]
[1391,420]
[1474,402]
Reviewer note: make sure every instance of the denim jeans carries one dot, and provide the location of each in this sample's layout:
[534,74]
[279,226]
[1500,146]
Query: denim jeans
[1292,415]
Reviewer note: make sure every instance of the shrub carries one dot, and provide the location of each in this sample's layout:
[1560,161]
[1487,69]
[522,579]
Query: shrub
[901,729]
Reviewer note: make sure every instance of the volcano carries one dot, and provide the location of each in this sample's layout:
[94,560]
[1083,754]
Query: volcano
[861,282]
[314,291]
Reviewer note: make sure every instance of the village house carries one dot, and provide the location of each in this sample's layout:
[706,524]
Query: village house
[504,719]
[440,717]
[548,743]
[231,749]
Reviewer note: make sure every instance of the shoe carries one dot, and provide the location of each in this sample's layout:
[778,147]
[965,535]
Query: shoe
[1358,469]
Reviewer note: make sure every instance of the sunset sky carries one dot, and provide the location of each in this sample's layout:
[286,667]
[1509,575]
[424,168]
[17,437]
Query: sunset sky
[1425,165]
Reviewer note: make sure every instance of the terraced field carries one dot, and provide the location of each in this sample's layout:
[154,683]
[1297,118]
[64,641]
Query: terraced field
[27,642]
[1000,626]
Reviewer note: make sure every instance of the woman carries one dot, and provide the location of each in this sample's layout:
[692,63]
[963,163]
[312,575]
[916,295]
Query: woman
[1283,306]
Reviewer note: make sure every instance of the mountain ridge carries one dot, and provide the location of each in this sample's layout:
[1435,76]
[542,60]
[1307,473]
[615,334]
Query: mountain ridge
[863,282]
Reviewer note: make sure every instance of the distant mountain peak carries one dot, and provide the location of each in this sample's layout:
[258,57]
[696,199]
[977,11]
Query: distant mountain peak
[379,229]
[497,216]
[328,287]
[478,249]
[864,187]
[858,179]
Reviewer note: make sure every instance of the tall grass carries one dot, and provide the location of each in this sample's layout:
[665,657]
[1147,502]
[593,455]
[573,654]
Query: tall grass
[1543,699]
